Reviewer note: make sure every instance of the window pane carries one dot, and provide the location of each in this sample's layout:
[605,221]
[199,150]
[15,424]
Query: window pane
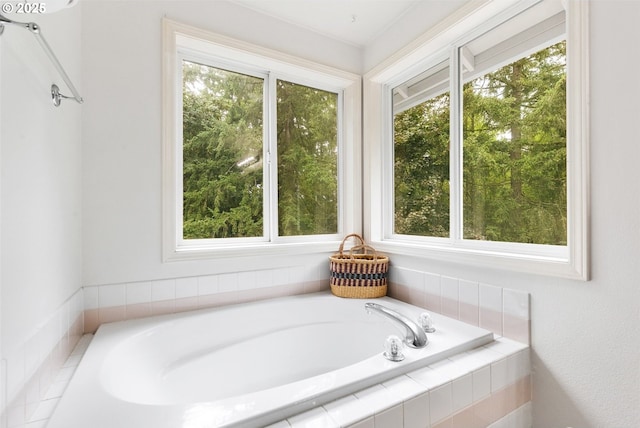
[514,126]
[222,153]
[421,155]
[307,160]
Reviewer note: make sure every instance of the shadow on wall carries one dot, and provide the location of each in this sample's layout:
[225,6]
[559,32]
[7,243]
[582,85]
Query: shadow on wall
[549,409]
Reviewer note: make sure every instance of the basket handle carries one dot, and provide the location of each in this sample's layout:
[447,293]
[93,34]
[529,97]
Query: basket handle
[364,247]
[349,236]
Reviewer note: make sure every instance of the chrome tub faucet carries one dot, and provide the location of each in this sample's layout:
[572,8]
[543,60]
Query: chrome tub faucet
[415,336]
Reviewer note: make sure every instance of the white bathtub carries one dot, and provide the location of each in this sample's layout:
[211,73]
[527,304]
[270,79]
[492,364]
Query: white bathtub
[245,365]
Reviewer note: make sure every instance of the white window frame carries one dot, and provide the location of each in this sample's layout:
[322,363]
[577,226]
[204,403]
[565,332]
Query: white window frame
[185,42]
[435,46]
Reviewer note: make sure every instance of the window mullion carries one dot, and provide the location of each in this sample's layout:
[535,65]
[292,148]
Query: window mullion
[455,152]
[271,156]
[177,154]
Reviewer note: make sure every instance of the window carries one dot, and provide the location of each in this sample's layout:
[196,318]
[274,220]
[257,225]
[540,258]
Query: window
[483,143]
[421,154]
[307,160]
[514,148]
[222,149]
[256,147]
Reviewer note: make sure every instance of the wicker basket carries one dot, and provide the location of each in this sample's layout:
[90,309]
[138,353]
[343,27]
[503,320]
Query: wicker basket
[358,275]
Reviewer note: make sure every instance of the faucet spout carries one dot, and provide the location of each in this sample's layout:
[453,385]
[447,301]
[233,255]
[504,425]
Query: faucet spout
[415,336]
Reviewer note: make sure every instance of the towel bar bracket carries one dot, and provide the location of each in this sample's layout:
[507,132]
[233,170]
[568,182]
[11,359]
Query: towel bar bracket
[34,28]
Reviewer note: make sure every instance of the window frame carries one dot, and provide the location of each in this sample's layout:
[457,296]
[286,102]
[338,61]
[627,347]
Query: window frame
[183,42]
[432,48]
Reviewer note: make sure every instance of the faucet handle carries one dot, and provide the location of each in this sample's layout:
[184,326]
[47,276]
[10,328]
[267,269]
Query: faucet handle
[426,322]
[393,347]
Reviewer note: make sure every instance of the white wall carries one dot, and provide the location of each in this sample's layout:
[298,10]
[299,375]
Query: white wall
[585,335]
[122,127]
[421,16]
[40,195]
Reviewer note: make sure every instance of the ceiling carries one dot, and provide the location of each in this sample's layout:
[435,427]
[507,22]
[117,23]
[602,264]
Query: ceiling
[357,22]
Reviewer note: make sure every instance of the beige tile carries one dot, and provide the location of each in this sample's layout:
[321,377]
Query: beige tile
[417,297]
[466,418]
[491,320]
[216,300]
[139,310]
[186,304]
[502,403]
[517,328]
[433,303]
[316,286]
[445,423]
[112,314]
[398,291]
[484,412]
[469,313]
[91,320]
[163,307]
[523,391]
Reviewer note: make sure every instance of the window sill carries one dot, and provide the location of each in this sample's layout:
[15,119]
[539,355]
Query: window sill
[556,263]
[259,249]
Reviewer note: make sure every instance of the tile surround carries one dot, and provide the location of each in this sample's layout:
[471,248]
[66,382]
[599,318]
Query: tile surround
[32,366]
[450,297]
[503,311]
[489,386]
[418,400]
[491,308]
[469,295]
[118,302]
[62,378]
